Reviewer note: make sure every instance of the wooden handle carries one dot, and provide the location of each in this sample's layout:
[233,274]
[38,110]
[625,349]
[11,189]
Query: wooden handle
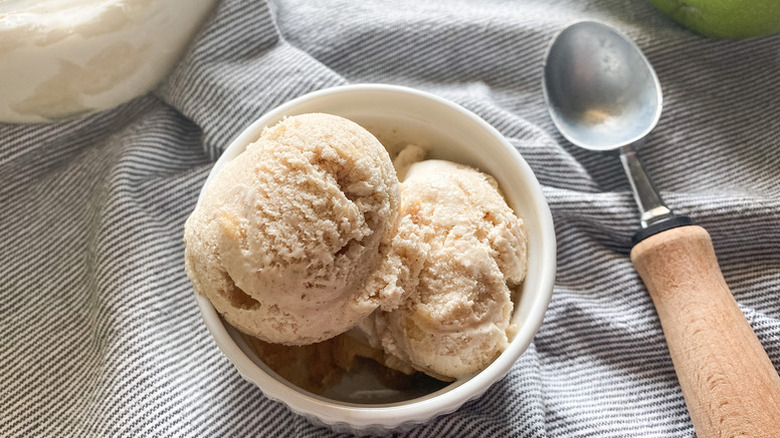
[729,384]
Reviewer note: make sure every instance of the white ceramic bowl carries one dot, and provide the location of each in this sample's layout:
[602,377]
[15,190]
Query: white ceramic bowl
[398,116]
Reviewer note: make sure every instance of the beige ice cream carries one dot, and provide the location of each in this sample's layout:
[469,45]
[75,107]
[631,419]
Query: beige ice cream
[457,317]
[318,367]
[308,233]
[287,240]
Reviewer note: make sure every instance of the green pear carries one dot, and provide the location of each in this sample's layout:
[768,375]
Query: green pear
[725,18]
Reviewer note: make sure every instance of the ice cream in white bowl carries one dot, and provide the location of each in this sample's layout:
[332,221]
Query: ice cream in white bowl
[399,116]
[64,59]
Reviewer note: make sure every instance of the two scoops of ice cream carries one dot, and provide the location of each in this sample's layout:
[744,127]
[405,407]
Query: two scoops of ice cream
[313,234]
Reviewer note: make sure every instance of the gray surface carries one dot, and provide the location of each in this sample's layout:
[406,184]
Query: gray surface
[99,332]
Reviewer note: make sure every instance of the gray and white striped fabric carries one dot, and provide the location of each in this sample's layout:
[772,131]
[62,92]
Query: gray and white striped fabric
[99,332]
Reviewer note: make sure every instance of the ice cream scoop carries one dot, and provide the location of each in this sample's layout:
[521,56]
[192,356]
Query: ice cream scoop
[286,239]
[603,95]
[457,317]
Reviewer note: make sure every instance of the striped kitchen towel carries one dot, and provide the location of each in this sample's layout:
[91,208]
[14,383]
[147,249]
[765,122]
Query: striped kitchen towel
[99,332]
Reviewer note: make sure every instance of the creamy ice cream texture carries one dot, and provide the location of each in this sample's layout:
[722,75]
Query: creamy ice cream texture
[289,234]
[457,317]
[62,59]
[309,233]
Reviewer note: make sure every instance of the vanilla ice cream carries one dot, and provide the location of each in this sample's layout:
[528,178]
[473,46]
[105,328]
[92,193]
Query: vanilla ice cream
[456,318]
[288,238]
[63,59]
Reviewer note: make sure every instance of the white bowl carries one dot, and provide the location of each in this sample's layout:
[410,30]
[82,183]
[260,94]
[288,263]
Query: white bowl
[399,116]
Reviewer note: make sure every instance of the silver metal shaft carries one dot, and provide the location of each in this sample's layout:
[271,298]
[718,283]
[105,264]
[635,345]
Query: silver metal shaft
[651,206]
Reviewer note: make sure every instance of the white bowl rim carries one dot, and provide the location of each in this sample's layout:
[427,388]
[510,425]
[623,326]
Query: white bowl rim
[419,409]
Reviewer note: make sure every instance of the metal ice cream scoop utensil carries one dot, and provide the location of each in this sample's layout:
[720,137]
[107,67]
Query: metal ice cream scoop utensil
[603,95]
